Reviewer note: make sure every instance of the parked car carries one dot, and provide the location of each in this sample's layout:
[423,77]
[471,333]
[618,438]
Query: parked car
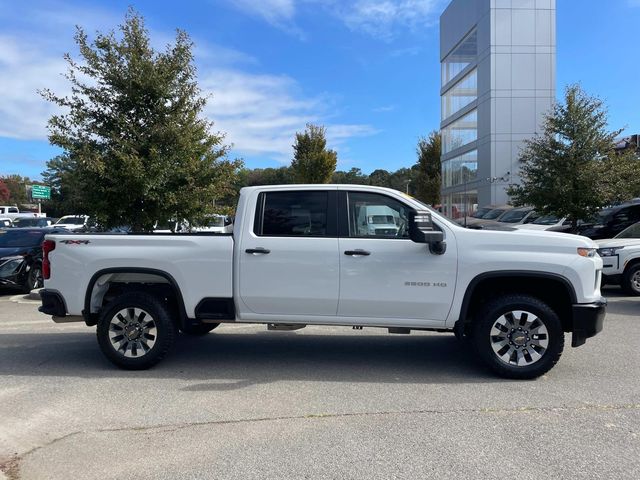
[21,257]
[12,212]
[6,223]
[611,221]
[511,219]
[621,259]
[73,222]
[513,294]
[475,216]
[40,222]
[215,224]
[547,222]
[493,216]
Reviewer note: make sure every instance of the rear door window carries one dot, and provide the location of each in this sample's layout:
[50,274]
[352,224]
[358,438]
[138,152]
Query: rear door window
[295,214]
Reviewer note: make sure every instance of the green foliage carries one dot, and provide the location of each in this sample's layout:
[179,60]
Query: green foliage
[352,177]
[312,161]
[380,178]
[428,181]
[137,149]
[17,186]
[265,176]
[564,170]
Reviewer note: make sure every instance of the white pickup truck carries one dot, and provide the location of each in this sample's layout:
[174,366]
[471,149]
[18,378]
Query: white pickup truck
[296,257]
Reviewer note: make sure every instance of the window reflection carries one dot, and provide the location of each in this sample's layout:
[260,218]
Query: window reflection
[464,55]
[460,170]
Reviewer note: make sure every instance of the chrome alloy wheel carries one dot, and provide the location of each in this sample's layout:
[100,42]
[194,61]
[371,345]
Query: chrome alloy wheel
[635,281]
[132,332]
[519,338]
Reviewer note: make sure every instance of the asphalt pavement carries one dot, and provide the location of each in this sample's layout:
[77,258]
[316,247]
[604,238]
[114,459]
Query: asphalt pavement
[321,402]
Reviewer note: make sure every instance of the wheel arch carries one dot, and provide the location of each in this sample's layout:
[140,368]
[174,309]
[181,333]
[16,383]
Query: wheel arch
[90,311]
[525,282]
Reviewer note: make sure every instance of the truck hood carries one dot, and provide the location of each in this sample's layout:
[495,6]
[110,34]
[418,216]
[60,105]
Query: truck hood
[13,251]
[533,240]
[618,242]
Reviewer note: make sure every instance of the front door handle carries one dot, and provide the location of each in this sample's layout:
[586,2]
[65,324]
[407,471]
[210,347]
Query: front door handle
[357,253]
[259,250]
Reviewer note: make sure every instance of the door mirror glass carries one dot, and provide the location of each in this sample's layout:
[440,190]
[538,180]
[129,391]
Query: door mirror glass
[421,228]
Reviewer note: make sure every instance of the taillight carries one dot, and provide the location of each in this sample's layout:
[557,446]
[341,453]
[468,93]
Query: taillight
[47,246]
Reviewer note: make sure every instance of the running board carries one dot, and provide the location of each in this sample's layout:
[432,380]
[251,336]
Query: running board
[284,326]
[400,330]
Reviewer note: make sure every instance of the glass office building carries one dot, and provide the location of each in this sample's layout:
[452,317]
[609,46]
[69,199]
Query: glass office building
[498,81]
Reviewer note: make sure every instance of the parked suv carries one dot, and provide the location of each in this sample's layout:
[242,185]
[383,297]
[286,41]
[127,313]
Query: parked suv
[611,221]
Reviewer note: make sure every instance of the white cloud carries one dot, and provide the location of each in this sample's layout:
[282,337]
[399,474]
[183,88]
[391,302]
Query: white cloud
[379,18]
[382,18]
[260,113]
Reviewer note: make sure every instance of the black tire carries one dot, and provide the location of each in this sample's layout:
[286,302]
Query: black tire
[198,330]
[33,279]
[537,346]
[631,280]
[155,336]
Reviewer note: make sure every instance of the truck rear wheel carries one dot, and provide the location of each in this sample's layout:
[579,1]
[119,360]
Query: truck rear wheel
[518,336]
[631,280]
[135,331]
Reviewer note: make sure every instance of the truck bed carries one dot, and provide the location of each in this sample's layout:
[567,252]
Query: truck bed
[201,264]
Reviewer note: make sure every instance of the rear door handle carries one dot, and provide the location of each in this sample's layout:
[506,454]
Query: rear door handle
[260,250]
[357,253]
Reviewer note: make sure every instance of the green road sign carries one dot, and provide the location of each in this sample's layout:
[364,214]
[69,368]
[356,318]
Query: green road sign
[40,191]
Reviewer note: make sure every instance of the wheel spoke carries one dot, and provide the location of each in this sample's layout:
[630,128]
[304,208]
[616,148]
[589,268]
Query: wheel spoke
[519,338]
[132,332]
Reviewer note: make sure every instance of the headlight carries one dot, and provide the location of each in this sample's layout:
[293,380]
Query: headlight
[8,265]
[608,252]
[586,252]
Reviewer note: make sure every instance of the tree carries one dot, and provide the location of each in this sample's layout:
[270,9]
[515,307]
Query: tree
[5,194]
[561,168]
[136,148]
[17,186]
[428,181]
[352,177]
[380,178]
[312,162]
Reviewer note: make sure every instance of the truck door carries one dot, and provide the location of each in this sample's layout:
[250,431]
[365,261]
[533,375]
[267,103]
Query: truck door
[289,262]
[384,274]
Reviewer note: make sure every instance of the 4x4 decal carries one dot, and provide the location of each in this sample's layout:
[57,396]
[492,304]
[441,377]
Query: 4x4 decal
[75,242]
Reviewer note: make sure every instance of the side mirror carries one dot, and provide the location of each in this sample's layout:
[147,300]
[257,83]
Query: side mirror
[421,231]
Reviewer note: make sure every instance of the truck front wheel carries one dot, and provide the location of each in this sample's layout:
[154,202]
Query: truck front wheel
[631,280]
[135,331]
[518,336]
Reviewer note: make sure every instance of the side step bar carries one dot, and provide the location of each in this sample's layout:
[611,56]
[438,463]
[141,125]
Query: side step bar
[285,326]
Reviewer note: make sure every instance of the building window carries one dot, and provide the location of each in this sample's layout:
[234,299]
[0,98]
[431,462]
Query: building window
[462,56]
[460,133]
[460,95]
[460,170]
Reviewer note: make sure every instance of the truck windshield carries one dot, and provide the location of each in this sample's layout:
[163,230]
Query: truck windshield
[632,232]
[20,238]
[546,220]
[493,214]
[71,221]
[514,216]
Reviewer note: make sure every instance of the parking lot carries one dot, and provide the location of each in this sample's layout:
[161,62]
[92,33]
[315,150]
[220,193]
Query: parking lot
[316,403]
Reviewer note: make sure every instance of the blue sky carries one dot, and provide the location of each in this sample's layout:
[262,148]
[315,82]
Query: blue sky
[366,69]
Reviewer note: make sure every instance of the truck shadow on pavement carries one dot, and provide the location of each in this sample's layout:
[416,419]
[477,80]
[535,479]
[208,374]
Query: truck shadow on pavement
[228,360]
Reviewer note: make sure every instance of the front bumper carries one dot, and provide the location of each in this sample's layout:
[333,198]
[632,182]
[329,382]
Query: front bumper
[588,320]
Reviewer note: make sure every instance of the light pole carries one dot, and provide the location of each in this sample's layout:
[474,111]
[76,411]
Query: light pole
[407,187]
